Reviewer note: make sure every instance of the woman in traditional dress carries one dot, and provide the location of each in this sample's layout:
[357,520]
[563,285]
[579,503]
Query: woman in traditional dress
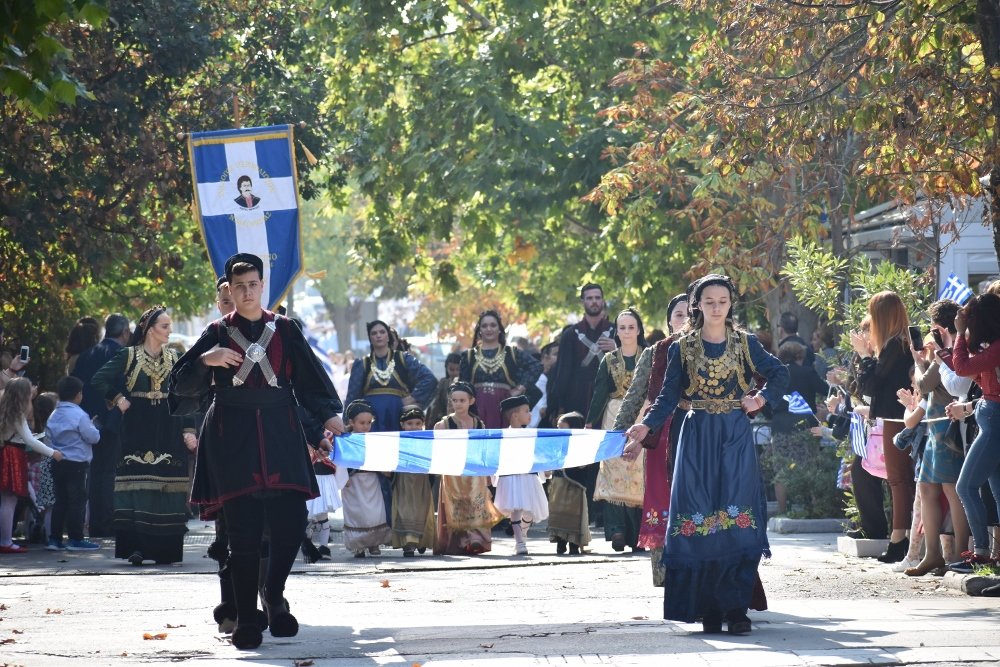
[151,480]
[619,482]
[466,512]
[389,379]
[716,533]
[496,370]
[366,516]
[647,380]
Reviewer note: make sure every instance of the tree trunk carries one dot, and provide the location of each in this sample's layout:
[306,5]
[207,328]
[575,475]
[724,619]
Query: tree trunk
[343,315]
[988,26]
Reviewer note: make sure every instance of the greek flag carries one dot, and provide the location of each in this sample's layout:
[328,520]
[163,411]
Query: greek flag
[955,289]
[476,452]
[797,404]
[246,200]
[859,435]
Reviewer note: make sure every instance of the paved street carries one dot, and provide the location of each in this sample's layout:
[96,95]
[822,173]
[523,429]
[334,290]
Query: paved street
[497,610]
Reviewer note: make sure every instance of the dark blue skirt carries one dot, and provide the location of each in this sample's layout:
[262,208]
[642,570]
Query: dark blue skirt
[717,531]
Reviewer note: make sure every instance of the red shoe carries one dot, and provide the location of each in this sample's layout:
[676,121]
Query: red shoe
[13,549]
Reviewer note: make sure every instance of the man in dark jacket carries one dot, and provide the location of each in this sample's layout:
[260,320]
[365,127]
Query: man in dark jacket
[101,478]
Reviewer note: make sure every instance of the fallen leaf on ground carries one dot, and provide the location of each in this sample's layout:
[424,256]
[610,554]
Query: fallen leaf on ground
[158,635]
[124,654]
[385,583]
[169,626]
[18,632]
[640,618]
[304,663]
[486,646]
[53,611]
[3,607]
[8,641]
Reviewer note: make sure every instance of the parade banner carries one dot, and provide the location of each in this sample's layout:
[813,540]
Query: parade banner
[476,452]
[246,200]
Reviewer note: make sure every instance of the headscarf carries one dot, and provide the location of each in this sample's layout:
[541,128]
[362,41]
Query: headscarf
[360,406]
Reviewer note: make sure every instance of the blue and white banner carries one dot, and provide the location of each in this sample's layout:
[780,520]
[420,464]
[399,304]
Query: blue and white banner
[859,435]
[955,289]
[797,404]
[476,452]
[246,199]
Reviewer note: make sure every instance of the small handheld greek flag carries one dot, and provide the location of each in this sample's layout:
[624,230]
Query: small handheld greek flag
[246,200]
[476,452]
[797,404]
[859,435]
[955,290]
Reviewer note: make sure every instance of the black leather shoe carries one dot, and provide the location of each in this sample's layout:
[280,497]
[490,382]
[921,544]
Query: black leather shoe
[738,623]
[561,547]
[895,552]
[711,624]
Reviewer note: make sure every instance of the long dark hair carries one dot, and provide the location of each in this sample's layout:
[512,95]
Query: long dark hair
[676,301]
[85,334]
[983,320]
[638,320]
[147,320]
[494,314]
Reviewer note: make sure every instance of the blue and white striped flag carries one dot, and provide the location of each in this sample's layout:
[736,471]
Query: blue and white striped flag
[797,404]
[476,452]
[955,289]
[246,199]
[859,435]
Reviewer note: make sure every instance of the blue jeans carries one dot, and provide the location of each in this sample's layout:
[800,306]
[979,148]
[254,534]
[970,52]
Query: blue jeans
[982,464]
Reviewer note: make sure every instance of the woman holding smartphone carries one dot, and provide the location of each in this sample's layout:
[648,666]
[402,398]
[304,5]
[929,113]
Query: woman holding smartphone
[884,369]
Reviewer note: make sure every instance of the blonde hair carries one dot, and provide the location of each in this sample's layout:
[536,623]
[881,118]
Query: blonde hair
[15,403]
[993,288]
[889,319]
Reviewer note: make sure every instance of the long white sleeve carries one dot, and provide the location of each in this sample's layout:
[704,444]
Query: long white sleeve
[953,383]
[25,437]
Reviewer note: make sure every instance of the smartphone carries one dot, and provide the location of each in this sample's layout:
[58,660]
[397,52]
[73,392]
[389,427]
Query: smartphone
[25,353]
[936,335]
[916,340]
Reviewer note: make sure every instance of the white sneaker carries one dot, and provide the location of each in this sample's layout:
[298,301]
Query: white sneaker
[905,564]
[520,549]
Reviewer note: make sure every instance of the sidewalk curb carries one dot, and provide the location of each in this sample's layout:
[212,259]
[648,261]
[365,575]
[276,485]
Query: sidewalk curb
[970,584]
[786,526]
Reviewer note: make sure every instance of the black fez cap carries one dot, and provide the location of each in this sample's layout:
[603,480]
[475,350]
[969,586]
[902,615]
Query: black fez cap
[252,260]
[411,413]
[512,402]
[220,282]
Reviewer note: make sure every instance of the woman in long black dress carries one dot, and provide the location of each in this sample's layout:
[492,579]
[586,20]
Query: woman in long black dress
[151,480]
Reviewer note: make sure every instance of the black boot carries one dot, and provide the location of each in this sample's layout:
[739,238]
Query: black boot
[896,551]
[560,547]
[281,621]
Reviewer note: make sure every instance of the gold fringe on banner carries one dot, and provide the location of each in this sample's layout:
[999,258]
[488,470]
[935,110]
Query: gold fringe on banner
[310,158]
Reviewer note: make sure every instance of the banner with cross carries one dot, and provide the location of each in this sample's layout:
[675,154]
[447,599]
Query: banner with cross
[246,200]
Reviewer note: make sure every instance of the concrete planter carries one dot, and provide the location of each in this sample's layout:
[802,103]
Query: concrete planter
[786,526]
[970,584]
[861,548]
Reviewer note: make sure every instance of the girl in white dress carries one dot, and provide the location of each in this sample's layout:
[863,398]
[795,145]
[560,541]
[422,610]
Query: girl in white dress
[521,497]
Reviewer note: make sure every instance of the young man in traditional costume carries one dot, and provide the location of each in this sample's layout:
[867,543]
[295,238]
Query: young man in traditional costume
[253,457]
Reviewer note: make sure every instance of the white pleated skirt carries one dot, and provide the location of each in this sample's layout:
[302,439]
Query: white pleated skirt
[328,499]
[522,492]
